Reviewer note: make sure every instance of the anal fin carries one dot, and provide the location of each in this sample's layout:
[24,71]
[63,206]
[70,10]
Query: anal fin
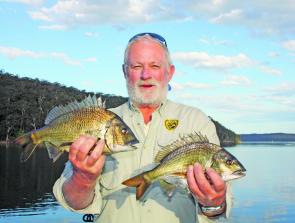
[167,187]
[54,152]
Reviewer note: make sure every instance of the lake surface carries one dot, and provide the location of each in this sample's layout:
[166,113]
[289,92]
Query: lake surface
[266,194]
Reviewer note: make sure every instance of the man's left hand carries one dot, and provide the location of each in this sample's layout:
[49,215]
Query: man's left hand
[208,187]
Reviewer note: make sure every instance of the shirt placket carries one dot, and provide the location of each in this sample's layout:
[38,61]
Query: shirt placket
[147,158]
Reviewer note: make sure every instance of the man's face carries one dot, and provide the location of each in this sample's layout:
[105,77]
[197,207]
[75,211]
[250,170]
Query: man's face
[147,73]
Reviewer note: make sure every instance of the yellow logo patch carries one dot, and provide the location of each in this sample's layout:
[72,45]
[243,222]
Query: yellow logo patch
[171,124]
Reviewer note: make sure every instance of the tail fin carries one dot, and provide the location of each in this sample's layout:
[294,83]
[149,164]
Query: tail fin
[26,142]
[140,183]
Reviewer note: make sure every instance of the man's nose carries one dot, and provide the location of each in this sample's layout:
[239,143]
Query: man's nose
[146,73]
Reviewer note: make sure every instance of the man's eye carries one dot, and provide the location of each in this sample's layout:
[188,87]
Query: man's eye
[136,67]
[155,66]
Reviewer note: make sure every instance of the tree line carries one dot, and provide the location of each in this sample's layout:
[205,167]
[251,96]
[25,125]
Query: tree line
[25,102]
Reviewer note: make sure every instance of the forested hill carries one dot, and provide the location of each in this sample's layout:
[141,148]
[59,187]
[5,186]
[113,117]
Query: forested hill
[226,136]
[25,102]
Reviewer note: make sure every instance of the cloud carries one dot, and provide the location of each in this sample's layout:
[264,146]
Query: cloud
[282,94]
[214,41]
[91,59]
[206,61]
[289,45]
[13,53]
[91,34]
[271,102]
[64,58]
[273,54]
[282,89]
[261,17]
[228,17]
[241,105]
[54,27]
[202,60]
[235,80]
[269,70]
[42,16]
[224,103]
[87,12]
[282,100]
[28,2]
[189,85]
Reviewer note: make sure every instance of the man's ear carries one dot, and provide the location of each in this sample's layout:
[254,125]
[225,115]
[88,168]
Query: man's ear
[124,71]
[171,71]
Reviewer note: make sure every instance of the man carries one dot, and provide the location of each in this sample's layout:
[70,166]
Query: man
[92,183]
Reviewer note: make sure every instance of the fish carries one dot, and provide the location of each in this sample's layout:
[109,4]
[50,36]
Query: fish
[173,160]
[65,124]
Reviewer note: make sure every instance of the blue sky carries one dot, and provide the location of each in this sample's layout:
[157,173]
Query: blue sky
[234,60]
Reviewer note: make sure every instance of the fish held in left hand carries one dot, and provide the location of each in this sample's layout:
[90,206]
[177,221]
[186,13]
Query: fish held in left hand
[64,124]
[174,159]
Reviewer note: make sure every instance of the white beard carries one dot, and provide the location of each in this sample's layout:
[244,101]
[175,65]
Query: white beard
[153,97]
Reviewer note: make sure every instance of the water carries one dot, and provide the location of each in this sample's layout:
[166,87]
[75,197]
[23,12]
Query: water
[266,194]
[26,188]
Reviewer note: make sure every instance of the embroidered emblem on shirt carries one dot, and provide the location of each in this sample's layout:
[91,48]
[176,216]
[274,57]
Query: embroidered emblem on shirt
[171,124]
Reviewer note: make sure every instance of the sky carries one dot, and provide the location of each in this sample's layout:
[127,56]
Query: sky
[234,59]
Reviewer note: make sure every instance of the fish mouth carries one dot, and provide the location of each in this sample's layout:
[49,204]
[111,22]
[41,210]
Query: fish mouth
[133,147]
[234,175]
[132,142]
[239,173]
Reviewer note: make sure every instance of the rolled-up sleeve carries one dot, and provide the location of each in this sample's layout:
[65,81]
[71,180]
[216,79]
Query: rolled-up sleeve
[93,208]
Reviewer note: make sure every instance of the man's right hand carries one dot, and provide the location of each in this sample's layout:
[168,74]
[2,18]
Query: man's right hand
[86,157]
[87,160]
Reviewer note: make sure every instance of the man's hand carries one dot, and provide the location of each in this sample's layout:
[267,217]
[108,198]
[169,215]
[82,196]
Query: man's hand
[86,157]
[208,187]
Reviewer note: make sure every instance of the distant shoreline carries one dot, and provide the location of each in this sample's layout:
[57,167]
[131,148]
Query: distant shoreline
[266,142]
[267,137]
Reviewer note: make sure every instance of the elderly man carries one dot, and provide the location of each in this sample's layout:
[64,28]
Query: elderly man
[92,183]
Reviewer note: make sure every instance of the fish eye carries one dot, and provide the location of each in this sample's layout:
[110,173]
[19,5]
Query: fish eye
[229,162]
[124,131]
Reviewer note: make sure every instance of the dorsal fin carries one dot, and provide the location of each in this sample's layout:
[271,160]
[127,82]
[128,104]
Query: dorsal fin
[61,110]
[187,139]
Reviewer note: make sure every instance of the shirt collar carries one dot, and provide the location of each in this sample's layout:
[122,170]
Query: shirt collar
[160,109]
